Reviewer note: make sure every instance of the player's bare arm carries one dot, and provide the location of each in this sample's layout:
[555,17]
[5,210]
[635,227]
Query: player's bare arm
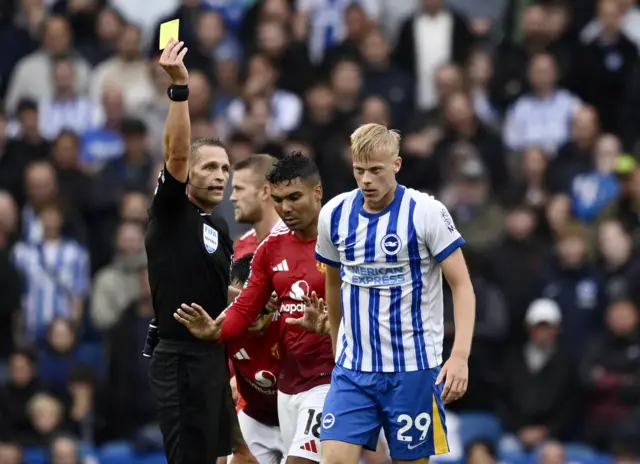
[177,133]
[333,282]
[455,371]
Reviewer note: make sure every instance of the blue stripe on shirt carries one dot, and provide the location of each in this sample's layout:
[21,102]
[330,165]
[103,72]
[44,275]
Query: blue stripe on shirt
[395,322]
[453,246]
[350,242]
[416,292]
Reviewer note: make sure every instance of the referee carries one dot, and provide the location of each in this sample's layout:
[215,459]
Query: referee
[189,257]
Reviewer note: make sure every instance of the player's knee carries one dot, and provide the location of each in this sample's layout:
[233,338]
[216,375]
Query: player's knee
[338,452]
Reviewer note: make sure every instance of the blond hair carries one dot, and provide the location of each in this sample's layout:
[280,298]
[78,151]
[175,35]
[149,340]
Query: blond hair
[372,138]
[46,402]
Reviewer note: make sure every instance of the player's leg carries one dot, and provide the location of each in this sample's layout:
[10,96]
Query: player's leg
[380,455]
[288,417]
[263,440]
[305,447]
[413,416]
[351,420]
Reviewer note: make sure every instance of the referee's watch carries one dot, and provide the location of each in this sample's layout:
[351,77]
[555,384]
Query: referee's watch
[178,93]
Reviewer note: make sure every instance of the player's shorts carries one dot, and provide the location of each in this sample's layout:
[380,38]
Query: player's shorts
[300,417]
[264,441]
[406,405]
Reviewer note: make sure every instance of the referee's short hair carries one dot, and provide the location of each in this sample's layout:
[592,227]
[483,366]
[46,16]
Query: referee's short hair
[260,164]
[205,142]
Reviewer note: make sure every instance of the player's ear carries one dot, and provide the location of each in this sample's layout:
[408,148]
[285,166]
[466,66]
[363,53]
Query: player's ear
[317,192]
[397,164]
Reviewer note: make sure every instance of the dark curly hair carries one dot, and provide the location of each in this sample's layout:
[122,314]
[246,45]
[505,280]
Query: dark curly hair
[294,166]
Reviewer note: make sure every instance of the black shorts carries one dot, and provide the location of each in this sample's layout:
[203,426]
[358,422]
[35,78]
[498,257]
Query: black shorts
[190,384]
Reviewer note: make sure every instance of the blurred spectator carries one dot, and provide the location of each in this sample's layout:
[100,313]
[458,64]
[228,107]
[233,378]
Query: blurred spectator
[478,217]
[479,74]
[574,282]
[324,23]
[514,265]
[543,116]
[129,404]
[103,144]
[357,27]
[346,83]
[280,111]
[109,26]
[619,262]
[576,155]
[126,71]
[31,77]
[383,79]
[10,453]
[603,66]
[552,452]
[9,278]
[83,414]
[594,190]
[529,177]
[22,385]
[46,415]
[610,374]
[64,450]
[41,188]
[428,40]
[480,452]
[629,23]
[539,389]
[627,207]
[67,108]
[59,355]
[56,276]
[117,285]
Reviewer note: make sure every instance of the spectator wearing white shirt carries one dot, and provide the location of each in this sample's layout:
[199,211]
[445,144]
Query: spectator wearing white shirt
[66,108]
[127,71]
[629,24]
[542,117]
[31,78]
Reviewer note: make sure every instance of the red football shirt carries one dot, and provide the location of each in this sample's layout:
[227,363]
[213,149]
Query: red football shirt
[245,245]
[256,363]
[286,264]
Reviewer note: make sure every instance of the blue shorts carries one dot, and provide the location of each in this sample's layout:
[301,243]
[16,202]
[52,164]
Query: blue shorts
[406,404]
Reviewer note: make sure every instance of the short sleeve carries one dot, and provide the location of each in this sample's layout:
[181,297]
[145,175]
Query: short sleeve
[326,251]
[170,193]
[441,236]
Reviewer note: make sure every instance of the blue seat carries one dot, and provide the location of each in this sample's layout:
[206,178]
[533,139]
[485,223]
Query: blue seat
[152,458]
[577,453]
[476,426]
[516,457]
[119,452]
[34,456]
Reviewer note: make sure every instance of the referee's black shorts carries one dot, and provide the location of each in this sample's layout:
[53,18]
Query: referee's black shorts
[190,383]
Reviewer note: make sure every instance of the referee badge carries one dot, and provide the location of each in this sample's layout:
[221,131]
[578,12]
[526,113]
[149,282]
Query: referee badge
[210,237]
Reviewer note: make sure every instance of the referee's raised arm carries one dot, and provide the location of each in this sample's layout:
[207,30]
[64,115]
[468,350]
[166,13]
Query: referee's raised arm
[177,134]
[189,256]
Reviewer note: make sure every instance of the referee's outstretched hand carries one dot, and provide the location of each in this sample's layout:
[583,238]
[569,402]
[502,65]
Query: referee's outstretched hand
[199,323]
[172,62]
[315,317]
[455,373]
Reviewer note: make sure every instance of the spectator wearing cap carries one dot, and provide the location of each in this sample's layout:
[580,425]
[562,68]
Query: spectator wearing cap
[611,377]
[476,214]
[538,390]
[574,282]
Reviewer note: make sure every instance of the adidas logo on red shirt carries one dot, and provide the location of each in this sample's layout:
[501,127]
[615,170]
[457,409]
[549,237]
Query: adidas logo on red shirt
[310,446]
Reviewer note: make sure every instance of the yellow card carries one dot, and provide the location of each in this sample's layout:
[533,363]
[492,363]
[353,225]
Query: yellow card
[169,30]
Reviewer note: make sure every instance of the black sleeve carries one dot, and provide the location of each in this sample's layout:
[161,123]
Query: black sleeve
[170,195]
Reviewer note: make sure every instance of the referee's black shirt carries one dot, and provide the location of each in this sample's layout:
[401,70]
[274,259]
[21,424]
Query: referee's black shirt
[189,256]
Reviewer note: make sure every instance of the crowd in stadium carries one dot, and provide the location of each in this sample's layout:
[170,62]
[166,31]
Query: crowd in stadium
[521,116]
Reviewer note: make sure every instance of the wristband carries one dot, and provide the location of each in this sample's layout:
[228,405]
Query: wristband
[178,93]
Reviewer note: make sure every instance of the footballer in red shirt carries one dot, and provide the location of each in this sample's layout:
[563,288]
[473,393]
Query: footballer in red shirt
[285,262]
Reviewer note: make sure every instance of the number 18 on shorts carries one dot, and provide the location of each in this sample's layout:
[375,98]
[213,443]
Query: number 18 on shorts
[406,405]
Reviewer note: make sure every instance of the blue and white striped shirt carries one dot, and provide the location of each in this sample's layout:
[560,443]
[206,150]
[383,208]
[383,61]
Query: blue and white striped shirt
[391,281]
[52,273]
[77,115]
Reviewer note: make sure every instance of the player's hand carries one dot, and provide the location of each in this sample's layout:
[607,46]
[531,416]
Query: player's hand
[455,373]
[199,323]
[315,317]
[274,303]
[172,62]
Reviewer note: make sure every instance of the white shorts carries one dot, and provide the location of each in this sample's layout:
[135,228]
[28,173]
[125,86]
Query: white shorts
[264,441]
[300,417]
